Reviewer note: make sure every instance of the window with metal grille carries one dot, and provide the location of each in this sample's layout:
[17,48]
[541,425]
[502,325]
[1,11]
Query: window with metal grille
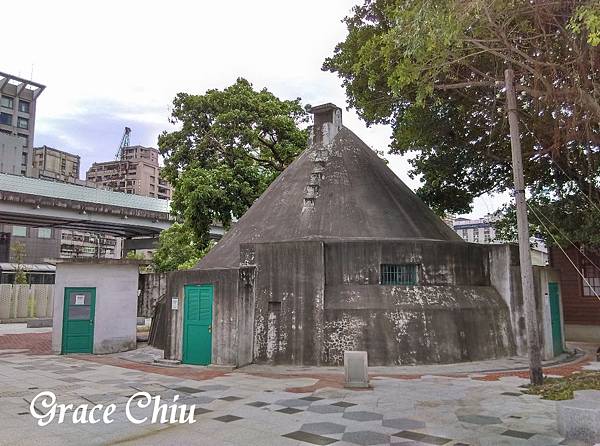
[399,274]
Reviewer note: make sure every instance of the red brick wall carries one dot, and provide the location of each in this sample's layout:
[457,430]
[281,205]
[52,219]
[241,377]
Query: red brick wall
[578,309]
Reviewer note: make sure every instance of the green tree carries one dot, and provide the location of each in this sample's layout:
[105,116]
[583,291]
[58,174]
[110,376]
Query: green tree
[18,257]
[434,71]
[231,144]
[177,249]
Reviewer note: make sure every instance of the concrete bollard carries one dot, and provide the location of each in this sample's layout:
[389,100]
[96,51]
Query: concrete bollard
[579,418]
[356,370]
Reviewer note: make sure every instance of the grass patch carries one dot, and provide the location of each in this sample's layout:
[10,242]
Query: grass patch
[562,388]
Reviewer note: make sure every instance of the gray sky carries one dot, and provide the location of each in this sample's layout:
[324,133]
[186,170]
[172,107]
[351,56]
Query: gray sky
[113,64]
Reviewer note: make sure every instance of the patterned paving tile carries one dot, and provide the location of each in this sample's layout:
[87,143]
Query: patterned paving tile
[213,388]
[201,411]
[258,404]
[343,404]
[403,423]
[423,438]
[310,438]
[479,419]
[366,438]
[293,403]
[231,398]
[363,416]
[518,434]
[325,408]
[187,389]
[201,399]
[323,428]
[289,410]
[311,398]
[227,418]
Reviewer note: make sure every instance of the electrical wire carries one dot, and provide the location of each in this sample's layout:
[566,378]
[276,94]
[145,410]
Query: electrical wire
[564,253]
[567,238]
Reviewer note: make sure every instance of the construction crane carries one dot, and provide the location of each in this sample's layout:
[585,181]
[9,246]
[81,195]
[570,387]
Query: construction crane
[124,143]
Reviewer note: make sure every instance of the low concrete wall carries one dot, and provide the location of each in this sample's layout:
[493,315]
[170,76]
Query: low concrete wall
[116,303]
[582,333]
[26,301]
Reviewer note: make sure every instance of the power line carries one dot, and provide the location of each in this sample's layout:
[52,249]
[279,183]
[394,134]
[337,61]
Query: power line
[567,238]
[564,253]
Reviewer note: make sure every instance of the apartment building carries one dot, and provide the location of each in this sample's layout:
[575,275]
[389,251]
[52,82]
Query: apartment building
[78,244]
[482,230]
[137,172]
[57,165]
[18,98]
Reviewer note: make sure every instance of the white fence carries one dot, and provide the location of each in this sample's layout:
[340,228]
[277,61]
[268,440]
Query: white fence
[22,301]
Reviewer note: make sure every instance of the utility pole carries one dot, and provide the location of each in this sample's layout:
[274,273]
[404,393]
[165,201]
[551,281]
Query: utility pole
[531,321]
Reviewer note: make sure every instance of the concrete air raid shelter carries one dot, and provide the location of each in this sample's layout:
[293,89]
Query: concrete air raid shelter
[338,254]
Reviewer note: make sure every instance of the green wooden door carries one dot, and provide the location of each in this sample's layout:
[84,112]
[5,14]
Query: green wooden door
[197,324]
[555,318]
[78,320]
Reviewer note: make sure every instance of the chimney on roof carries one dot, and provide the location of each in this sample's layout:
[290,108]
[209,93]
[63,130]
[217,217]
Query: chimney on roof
[327,121]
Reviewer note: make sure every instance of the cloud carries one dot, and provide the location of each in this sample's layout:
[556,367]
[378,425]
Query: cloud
[95,132]
[110,64]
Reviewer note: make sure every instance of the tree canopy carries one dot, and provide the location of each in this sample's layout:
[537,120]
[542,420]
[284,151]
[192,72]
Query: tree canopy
[230,145]
[434,71]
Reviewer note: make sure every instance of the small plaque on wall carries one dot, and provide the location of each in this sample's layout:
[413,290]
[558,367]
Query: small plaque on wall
[80,299]
[174,303]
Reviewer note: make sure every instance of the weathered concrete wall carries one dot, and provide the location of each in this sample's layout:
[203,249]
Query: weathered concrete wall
[152,286]
[289,302]
[305,302]
[225,312]
[442,263]
[416,324]
[503,261]
[116,303]
[505,277]
[314,300]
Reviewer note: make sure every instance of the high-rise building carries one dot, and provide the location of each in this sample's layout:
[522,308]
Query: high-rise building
[18,98]
[137,172]
[54,164]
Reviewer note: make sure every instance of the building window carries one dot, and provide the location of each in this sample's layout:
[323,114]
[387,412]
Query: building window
[465,234]
[591,284]
[399,274]
[19,231]
[6,118]
[44,233]
[23,106]
[6,101]
[22,123]
[25,139]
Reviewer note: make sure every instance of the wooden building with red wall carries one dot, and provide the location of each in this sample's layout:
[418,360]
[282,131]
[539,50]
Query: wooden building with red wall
[580,288]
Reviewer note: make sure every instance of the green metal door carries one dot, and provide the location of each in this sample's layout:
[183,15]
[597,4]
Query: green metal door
[78,320]
[555,318]
[197,324]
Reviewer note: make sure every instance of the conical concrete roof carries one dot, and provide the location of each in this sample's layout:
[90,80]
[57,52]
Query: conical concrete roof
[336,191]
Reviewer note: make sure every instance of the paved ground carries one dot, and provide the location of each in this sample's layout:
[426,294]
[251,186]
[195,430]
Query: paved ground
[264,406]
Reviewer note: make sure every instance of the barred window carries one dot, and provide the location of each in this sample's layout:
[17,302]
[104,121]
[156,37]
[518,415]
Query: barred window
[405,274]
